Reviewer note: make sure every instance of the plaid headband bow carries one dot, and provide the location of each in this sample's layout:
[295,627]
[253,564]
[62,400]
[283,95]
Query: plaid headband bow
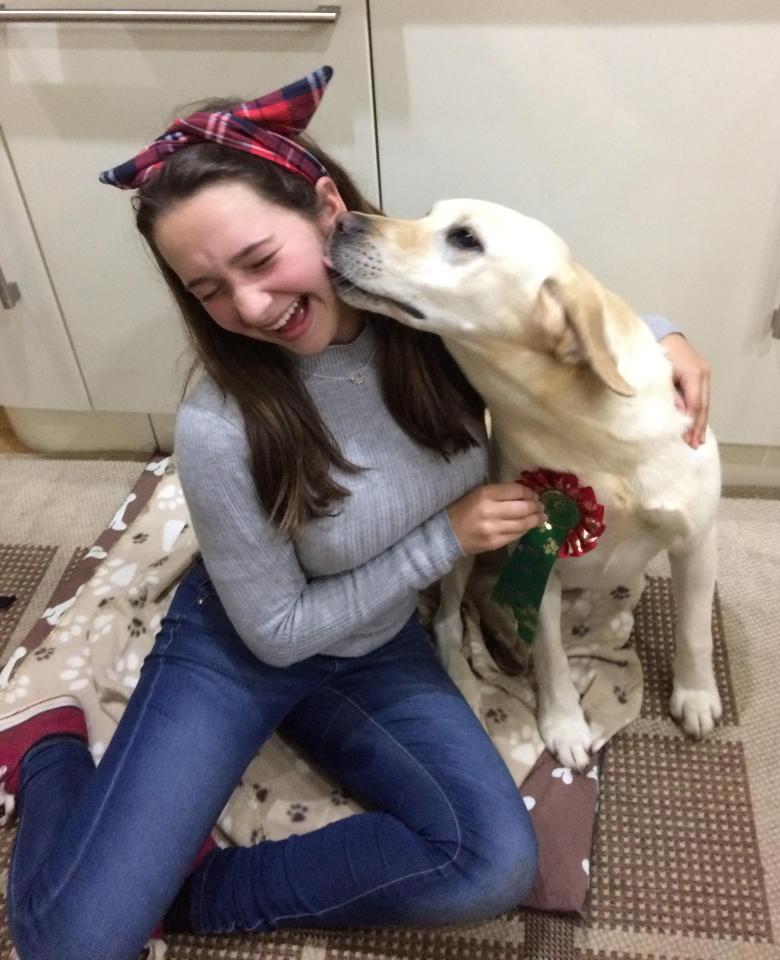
[261,127]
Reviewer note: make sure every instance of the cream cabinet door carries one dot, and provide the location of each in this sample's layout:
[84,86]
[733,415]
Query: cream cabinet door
[647,135]
[37,364]
[76,99]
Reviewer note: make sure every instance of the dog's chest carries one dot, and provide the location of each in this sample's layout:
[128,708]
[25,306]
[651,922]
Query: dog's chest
[623,552]
[638,525]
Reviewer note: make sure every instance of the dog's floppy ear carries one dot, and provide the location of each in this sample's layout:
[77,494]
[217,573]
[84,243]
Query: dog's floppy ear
[572,315]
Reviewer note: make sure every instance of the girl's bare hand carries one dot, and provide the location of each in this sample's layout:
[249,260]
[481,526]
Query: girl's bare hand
[691,374]
[493,515]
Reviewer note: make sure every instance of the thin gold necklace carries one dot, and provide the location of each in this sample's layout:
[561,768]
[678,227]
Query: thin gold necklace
[357,378]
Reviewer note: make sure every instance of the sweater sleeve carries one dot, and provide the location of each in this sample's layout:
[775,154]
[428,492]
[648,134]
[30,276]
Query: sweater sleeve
[660,326]
[282,616]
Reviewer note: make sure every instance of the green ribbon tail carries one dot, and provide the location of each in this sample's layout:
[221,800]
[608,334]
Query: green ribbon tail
[524,576]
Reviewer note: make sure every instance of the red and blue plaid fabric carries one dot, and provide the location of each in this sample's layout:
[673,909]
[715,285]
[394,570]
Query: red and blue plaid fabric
[261,127]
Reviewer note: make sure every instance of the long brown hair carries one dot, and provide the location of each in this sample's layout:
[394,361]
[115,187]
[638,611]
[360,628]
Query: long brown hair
[292,451]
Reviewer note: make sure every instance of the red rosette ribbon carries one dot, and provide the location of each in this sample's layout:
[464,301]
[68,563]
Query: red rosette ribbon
[575,521]
[584,535]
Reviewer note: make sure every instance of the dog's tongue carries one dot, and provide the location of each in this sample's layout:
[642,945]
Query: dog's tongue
[328,262]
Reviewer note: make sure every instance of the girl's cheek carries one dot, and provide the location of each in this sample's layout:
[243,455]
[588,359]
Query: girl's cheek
[220,317]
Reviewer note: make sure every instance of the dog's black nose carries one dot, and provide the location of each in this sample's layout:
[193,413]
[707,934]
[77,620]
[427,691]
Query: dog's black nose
[351,223]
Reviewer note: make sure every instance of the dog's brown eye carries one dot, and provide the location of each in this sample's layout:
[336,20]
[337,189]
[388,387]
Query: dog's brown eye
[464,239]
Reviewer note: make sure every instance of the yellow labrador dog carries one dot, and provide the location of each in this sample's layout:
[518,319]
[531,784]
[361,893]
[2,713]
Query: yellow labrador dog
[574,381]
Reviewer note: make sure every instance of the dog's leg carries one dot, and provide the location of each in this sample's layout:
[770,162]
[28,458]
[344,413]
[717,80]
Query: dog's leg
[448,632]
[562,723]
[695,700]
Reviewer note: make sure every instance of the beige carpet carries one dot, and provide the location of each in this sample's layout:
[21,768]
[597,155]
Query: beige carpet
[49,509]
[687,856]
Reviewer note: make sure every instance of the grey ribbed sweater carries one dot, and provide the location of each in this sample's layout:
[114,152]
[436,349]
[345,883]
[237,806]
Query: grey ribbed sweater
[349,582]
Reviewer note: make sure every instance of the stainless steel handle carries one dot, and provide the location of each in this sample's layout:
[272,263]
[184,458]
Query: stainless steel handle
[320,15]
[9,292]
[776,323]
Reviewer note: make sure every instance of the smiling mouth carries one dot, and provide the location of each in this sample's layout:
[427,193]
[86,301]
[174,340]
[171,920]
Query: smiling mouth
[343,285]
[293,311]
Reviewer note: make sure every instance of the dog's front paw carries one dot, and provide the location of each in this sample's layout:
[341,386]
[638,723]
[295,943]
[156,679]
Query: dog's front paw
[567,736]
[695,710]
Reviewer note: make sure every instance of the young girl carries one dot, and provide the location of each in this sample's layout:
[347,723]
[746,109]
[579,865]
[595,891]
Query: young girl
[334,464]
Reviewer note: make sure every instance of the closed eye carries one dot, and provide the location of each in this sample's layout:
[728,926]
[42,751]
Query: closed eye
[463,238]
[261,263]
[258,265]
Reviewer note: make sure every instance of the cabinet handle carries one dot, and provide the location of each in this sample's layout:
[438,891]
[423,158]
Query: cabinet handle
[9,292]
[776,323]
[320,15]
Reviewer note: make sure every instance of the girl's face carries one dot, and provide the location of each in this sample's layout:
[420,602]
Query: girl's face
[258,268]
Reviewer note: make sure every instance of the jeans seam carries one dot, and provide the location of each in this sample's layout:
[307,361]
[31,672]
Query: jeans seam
[408,876]
[11,891]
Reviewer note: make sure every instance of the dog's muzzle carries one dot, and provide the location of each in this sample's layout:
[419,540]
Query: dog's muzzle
[354,259]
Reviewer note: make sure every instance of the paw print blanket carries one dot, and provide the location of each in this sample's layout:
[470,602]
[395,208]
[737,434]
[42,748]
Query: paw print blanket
[92,639]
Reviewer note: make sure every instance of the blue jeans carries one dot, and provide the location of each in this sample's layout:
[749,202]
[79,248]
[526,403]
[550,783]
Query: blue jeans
[101,852]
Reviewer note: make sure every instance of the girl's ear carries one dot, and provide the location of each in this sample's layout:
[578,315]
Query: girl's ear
[331,204]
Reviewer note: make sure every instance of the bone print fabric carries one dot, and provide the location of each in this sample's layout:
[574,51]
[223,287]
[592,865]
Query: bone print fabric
[93,638]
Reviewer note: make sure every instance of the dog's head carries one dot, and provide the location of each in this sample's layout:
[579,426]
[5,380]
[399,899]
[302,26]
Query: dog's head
[474,271]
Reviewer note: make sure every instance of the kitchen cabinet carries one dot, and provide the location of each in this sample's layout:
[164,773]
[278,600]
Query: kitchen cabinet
[38,365]
[646,133]
[77,98]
